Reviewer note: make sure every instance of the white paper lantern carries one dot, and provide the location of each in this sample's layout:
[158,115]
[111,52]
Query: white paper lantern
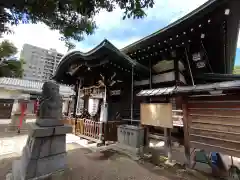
[80,106]
[93,104]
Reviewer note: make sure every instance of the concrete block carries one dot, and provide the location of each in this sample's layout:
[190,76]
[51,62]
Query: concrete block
[58,145]
[34,146]
[46,146]
[50,164]
[27,165]
[49,122]
[27,168]
[16,171]
[9,176]
[37,131]
[59,130]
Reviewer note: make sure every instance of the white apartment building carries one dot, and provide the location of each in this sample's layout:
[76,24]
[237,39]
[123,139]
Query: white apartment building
[40,64]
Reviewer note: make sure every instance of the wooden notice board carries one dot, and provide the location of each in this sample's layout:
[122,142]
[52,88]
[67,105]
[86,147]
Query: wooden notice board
[157,114]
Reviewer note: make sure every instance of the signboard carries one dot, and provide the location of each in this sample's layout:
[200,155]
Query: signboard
[115,92]
[157,114]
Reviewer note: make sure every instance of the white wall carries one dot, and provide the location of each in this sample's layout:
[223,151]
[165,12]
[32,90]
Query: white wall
[8,94]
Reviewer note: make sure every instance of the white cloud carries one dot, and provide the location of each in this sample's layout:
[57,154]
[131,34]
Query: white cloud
[165,9]
[122,44]
[107,20]
[161,10]
[116,43]
[36,34]
[81,47]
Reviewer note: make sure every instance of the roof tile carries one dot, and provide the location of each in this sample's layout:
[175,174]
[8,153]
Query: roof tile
[30,85]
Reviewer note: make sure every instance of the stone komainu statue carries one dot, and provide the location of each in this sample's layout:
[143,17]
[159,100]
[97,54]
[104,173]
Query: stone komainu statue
[50,106]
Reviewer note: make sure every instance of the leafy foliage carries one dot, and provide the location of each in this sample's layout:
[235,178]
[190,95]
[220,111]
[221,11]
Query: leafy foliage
[236,70]
[8,66]
[7,49]
[12,68]
[69,45]
[73,18]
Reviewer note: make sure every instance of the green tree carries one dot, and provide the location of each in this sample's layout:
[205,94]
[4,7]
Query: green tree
[236,70]
[69,45]
[73,18]
[9,67]
[7,49]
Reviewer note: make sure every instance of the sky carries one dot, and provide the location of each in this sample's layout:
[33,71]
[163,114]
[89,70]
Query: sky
[110,26]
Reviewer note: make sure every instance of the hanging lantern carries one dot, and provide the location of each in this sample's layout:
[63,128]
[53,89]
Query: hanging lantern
[80,106]
[93,104]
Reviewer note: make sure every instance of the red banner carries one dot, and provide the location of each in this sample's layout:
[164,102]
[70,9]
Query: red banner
[36,106]
[23,107]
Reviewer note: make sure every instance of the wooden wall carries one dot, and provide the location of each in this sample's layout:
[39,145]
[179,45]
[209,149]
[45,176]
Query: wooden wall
[214,123]
[6,108]
[120,103]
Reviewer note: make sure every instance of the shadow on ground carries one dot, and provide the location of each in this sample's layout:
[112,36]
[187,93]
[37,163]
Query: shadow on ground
[84,164]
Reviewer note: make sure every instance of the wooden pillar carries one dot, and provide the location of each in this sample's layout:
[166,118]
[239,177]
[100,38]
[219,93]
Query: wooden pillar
[101,126]
[150,74]
[104,121]
[168,139]
[77,86]
[168,143]
[132,93]
[186,132]
[189,66]
[176,67]
[76,98]
[150,87]
[69,108]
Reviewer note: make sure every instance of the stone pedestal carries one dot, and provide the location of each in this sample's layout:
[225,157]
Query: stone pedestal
[44,153]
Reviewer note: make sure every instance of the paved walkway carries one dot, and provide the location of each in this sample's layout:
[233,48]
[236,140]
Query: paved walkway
[13,145]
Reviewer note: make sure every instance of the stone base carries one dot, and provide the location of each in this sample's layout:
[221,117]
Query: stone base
[49,122]
[63,174]
[24,169]
[37,131]
[44,153]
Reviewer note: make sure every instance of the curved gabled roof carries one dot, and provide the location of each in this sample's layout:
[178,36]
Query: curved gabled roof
[105,48]
[221,52]
[200,11]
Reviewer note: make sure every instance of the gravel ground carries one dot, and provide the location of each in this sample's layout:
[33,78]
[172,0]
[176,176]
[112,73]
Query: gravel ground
[110,165]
